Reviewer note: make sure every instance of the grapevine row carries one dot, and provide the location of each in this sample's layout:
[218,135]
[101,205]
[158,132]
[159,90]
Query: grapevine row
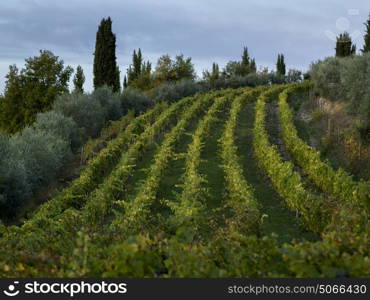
[75,194]
[338,183]
[286,181]
[190,209]
[114,187]
[137,211]
[246,214]
[93,146]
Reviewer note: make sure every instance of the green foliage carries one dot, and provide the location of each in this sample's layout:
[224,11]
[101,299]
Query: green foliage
[189,211]
[34,156]
[136,100]
[58,125]
[90,120]
[280,65]
[94,228]
[169,70]
[286,180]
[174,91]
[136,257]
[335,182]
[240,198]
[79,80]
[211,77]
[344,46]
[253,66]
[137,210]
[106,71]
[31,158]
[93,146]
[14,186]
[125,84]
[333,79]
[139,73]
[240,68]
[293,76]
[31,90]
[367,37]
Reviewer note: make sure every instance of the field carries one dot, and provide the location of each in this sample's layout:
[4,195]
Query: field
[214,185]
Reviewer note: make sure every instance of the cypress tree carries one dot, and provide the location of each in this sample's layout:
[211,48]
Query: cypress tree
[79,80]
[215,71]
[367,37]
[125,82]
[106,71]
[280,65]
[253,66]
[137,67]
[344,46]
[283,66]
[245,57]
[138,63]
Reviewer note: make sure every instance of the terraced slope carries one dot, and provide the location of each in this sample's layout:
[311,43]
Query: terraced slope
[199,188]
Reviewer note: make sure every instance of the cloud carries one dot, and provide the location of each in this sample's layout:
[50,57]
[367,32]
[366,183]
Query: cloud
[206,30]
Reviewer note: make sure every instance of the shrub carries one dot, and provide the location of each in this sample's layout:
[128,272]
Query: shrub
[86,111]
[346,79]
[42,154]
[59,126]
[173,92]
[32,157]
[13,180]
[110,102]
[326,76]
[132,99]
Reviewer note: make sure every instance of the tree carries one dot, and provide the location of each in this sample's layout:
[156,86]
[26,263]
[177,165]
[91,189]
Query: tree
[212,76]
[245,58]
[32,89]
[168,70]
[125,82]
[367,37]
[241,68]
[183,68]
[79,80]
[139,73]
[137,63]
[280,65]
[253,66]
[105,70]
[344,46]
[135,69]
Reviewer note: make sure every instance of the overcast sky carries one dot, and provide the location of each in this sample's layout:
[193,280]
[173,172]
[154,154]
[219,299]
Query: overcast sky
[206,30]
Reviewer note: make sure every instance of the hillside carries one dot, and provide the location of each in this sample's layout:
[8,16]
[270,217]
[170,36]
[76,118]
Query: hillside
[218,184]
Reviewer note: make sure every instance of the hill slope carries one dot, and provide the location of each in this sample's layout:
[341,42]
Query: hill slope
[215,185]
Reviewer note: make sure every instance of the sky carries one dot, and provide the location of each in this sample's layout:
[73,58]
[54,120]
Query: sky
[206,30]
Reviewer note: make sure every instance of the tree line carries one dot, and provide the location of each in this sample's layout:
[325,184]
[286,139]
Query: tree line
[35,87]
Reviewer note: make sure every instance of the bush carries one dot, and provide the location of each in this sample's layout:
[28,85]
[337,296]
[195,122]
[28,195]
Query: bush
[251,80]
[86,111]
[58,125]
[14,186]
[41,154]
[110,102]
[32,157]
[132,99]
[294,76]
[173,92]
[346,79]
[326,76]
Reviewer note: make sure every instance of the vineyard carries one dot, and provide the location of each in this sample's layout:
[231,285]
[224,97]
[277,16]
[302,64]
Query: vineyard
[218,184]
